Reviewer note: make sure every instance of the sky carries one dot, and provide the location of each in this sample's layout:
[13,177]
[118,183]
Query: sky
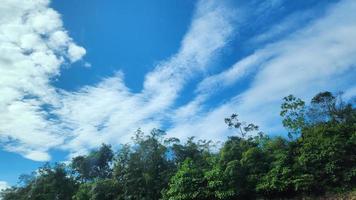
[78,73]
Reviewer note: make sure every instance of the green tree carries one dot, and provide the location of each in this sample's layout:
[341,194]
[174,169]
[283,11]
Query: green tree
[49,183]
[293,113]
[188,183]
[144,169]
[96,165]
[237,168]
[278,180]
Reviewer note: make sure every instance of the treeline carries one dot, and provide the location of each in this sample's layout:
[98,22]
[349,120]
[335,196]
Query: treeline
[317,157]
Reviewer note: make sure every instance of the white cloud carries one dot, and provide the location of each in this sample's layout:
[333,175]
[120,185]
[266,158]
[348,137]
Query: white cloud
[310,59]
[33,45]
[230,76]
[75,52]
[211,29]
[3,185]
[316,58]
[288,24]
[109,112]
[204,125]
[87,65]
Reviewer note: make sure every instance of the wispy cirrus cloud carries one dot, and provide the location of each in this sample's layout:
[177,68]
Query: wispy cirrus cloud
[110,110]
[314,58]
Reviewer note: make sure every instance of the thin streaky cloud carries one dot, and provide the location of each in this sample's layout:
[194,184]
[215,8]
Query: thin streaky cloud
[120,112]
[310,60]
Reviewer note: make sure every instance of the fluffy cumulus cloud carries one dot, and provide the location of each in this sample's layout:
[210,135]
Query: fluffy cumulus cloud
[34,46]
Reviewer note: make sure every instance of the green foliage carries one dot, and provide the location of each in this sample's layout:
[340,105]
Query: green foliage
[278,180]
[293,113]
[187,183]
[143,170]
[239,165]
[49,183]
[96,165]
[106,189]
[327,151]
[319,157]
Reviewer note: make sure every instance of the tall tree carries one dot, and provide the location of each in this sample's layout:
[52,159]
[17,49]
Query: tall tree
[96,165]
[144,169]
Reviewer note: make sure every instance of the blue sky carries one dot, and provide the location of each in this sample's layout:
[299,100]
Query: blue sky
[78,73]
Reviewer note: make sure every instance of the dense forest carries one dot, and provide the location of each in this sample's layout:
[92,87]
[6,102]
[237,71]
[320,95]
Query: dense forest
[316,158]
